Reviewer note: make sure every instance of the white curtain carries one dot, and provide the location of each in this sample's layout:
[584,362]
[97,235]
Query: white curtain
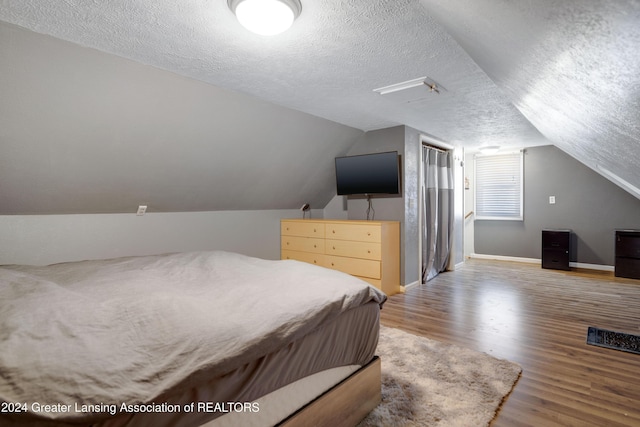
[437,216]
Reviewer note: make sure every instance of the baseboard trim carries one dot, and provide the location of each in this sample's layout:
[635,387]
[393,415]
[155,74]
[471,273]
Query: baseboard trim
[409,286]
[599,267]
[582,265]
[506,258]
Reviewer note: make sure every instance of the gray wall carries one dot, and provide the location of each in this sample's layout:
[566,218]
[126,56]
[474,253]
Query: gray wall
[47,239]
[407,141]
[386,207]
[586,203]
[393,208]
[83,131]
[411,230]
[405,208]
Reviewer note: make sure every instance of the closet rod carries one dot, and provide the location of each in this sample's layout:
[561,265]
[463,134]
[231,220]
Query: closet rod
[442,150]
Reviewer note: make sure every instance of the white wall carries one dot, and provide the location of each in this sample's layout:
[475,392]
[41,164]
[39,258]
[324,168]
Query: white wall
[47,239]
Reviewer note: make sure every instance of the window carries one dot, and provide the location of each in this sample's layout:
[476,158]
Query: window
[499,186]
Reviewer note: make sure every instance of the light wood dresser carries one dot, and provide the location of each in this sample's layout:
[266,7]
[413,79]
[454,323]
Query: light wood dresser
[369,250]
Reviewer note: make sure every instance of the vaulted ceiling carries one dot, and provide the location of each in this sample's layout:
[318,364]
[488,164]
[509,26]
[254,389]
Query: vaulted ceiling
[513,74]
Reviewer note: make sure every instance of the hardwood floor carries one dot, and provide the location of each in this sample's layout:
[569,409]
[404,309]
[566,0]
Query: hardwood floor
[539,319]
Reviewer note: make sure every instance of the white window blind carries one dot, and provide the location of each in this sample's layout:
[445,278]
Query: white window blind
[499,186]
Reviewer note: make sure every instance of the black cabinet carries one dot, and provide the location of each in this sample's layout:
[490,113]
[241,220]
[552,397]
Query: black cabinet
[556,249]
[628,254]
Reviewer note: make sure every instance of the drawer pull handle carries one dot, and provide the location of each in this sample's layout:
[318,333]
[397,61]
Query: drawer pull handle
[333,231]
[332,264]
[314,246]
[315,262]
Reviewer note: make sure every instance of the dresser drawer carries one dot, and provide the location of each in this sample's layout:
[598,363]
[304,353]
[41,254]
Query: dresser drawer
[369,250]
[311,258]
[556,259]
[354,266]
[556,239]
[376,283]
[627,267]
[304,244]
[355,232]
[352,249]
[302,229]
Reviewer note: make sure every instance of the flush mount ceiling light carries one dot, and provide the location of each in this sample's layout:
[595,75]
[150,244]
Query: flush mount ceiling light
[266,17]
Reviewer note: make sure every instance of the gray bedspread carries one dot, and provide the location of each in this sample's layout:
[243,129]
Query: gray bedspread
[127,330]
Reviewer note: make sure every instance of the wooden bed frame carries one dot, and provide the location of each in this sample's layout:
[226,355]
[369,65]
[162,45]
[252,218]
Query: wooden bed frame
[344,405]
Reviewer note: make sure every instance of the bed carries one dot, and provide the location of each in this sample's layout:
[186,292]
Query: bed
[200,338]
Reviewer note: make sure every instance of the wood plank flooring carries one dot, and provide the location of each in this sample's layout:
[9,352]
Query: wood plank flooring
[539,319]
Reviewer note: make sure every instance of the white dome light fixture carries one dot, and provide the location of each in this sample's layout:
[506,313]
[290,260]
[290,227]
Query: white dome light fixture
[266,17]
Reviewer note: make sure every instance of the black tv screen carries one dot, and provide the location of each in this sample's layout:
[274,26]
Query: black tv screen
[377,173]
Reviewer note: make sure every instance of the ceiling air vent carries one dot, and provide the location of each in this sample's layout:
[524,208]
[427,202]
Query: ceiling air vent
[411,90]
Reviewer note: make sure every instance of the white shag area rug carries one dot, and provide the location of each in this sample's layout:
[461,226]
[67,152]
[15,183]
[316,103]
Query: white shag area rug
[430,383]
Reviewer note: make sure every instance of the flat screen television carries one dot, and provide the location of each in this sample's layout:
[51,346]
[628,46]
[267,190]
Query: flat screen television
[377,173]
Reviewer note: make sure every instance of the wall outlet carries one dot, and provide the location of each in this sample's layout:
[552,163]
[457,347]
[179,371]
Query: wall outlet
[141,210]
[552,200]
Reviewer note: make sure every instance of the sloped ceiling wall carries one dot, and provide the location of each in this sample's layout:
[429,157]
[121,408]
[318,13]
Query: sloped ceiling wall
[570,67]
[82,131]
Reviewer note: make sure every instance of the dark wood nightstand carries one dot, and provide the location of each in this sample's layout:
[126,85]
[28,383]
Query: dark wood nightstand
[556,246]
[628,254]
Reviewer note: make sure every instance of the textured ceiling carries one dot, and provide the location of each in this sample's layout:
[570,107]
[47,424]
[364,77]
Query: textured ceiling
[327,64]
[516,73]
[572,68]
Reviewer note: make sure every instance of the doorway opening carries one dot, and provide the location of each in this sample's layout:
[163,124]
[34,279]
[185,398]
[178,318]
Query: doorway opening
[440,234]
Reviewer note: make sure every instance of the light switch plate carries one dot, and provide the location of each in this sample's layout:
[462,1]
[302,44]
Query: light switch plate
[552,200]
